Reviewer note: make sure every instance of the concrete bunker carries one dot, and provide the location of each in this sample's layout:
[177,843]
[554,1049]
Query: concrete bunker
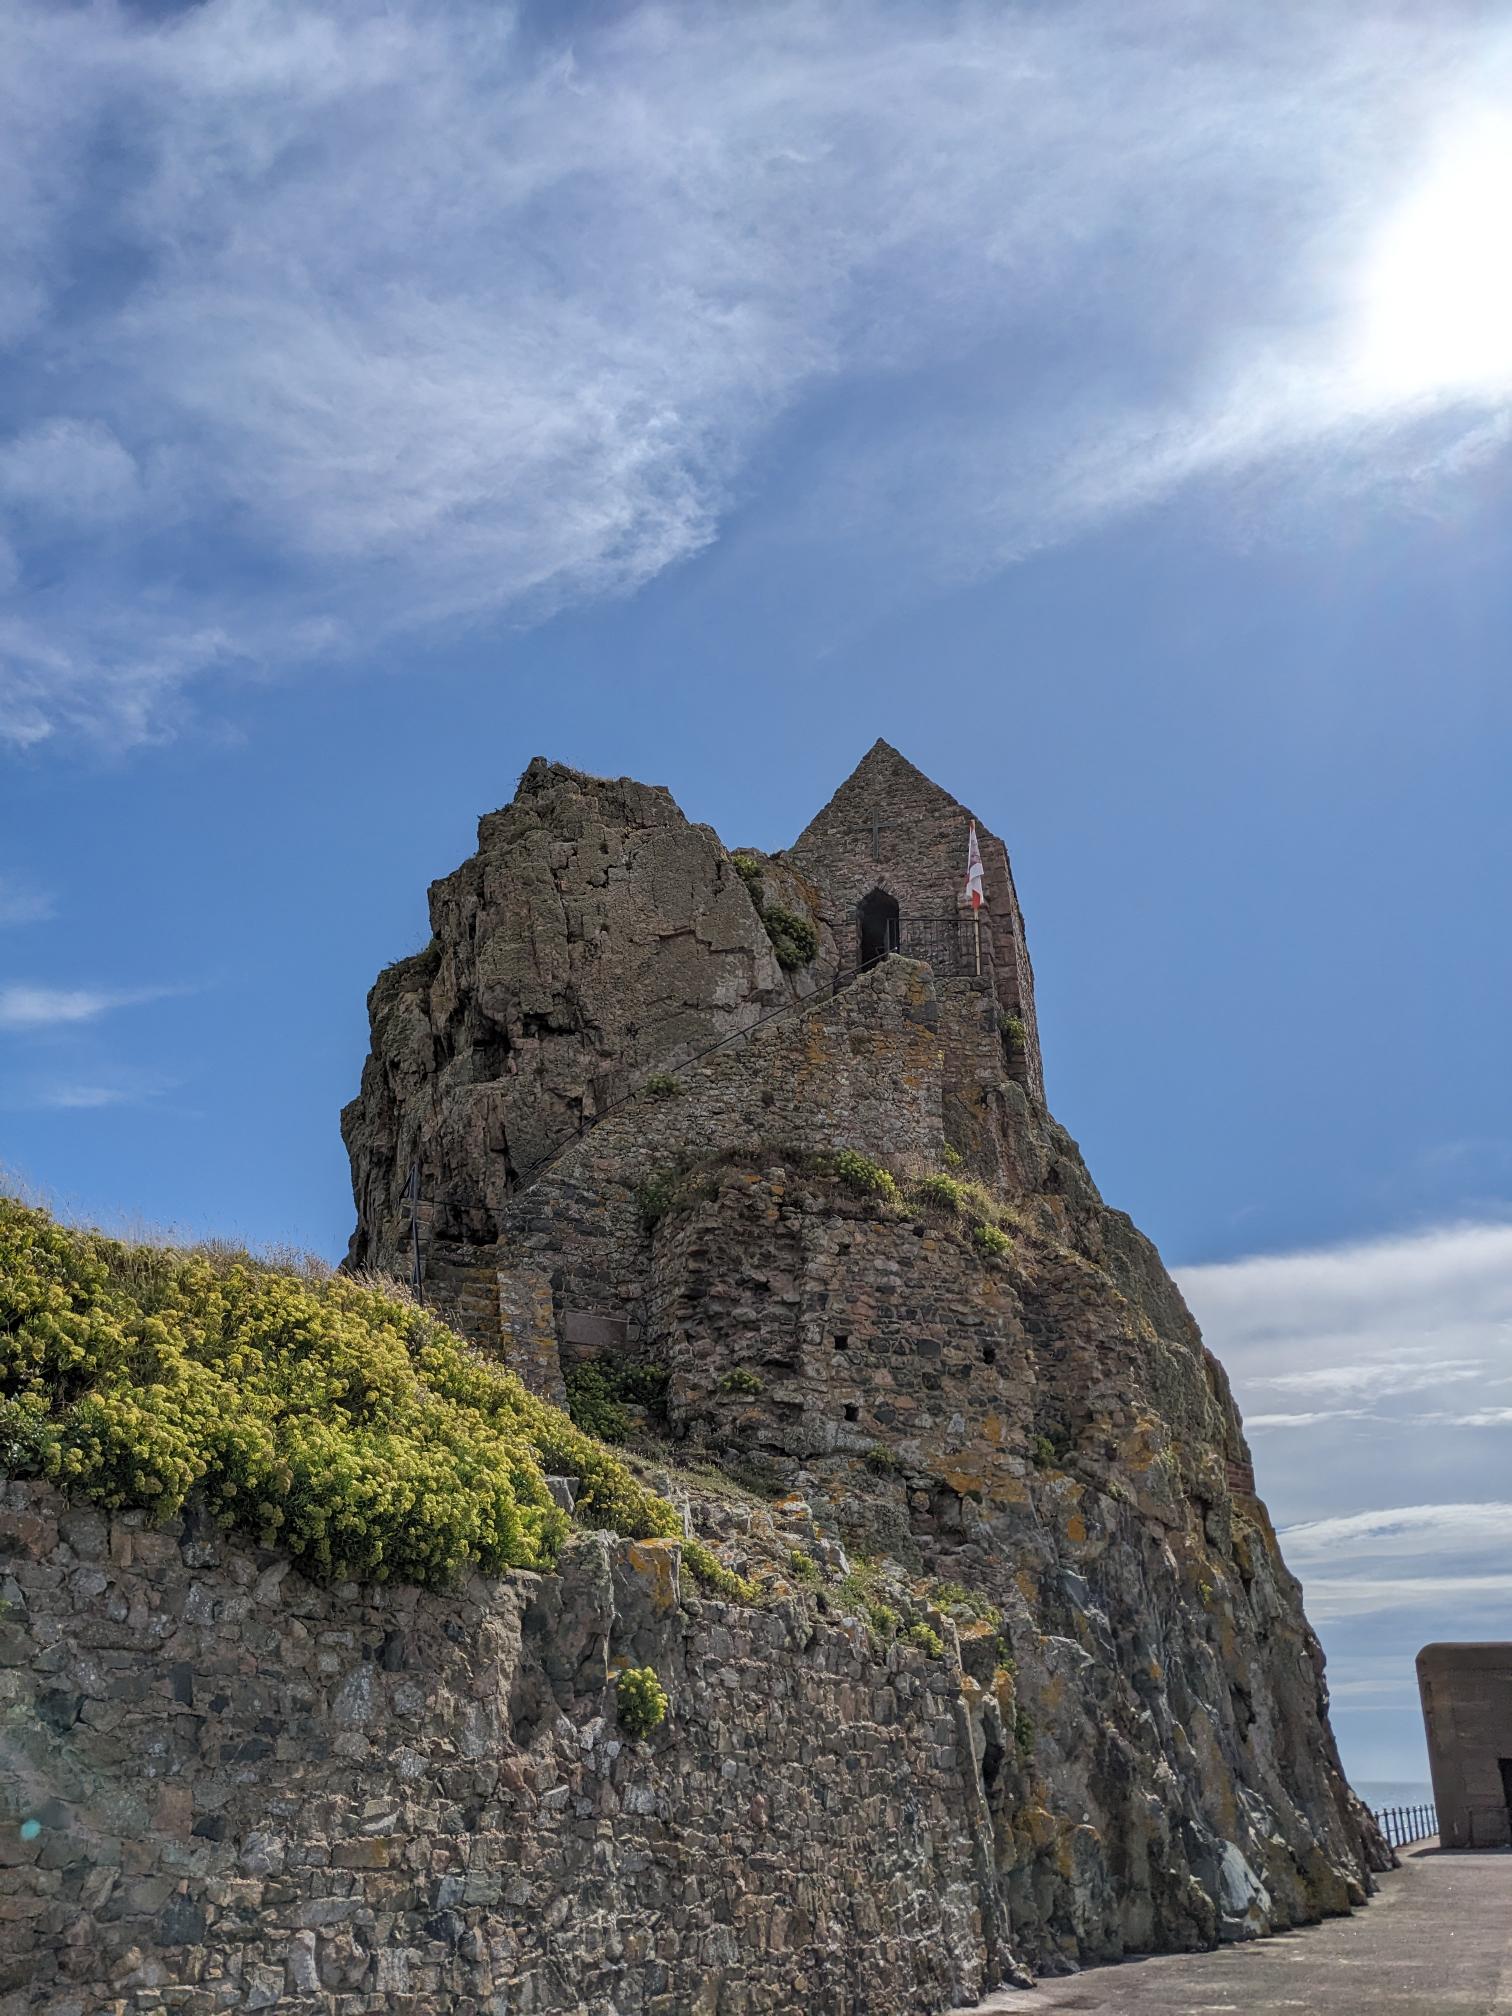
[1467,1713]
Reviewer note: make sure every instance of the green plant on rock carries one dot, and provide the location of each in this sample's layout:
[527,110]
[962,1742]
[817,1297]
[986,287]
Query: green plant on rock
[740,1379]
[642,1382]
[867,1178]
[926,1638]
[956,1596]
[1043,1453]
[715,1574]
[1023,1734]
[593,1402]
[340,1424]
[944,1192]
[991,1240]
[641,1700]
[656,1195]
[748,868]
[599,1389]
[1012,1027]
[882,1461]
[794,939]
[803,1567]
[951,1156]
[661,1085]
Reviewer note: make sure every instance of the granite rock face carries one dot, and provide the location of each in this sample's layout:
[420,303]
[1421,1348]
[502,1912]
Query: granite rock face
[594,932]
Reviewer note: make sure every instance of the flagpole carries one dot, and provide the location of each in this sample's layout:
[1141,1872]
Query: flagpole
[976,925]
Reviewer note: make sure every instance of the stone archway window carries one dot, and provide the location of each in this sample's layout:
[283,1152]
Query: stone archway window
[878,916]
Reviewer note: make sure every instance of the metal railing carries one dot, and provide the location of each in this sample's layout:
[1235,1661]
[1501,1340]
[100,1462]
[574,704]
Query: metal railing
[1402,1825]
[953,946]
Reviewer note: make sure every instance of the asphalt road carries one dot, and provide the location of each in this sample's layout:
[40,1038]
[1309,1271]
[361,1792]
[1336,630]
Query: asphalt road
[1436,1940]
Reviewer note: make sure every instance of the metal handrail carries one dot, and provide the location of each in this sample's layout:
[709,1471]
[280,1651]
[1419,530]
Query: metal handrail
[1403,1825]
[954,946]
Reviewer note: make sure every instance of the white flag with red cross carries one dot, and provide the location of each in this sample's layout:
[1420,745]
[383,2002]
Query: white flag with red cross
[973,870]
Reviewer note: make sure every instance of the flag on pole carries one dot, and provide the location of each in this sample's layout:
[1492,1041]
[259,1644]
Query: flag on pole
[973,870]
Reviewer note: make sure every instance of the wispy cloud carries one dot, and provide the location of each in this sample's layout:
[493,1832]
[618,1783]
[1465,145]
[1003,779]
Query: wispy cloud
[368,286]
[23,901]
[28,1007]
[1377,1377]
[1313,1420]
[105,1090]
[1331,1597]
[76,1098]
[1402,1530]
[1390,1491]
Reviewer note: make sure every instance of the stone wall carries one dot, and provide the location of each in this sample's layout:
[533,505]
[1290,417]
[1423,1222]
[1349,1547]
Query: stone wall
[595,937]
[227,1789]
[862,1069]
[890,827]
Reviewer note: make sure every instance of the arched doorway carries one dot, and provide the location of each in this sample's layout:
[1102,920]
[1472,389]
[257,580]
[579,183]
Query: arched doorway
[878,916]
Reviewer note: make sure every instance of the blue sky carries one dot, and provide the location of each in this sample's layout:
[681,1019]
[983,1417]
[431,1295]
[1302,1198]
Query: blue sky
[1107,404]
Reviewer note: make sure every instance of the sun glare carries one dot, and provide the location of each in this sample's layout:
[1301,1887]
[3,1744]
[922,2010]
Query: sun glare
[1437,295]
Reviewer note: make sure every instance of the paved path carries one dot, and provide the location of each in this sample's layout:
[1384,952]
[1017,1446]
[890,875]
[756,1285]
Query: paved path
[1436,1940]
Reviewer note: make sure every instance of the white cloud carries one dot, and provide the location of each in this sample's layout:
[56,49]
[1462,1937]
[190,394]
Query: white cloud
[23,902]
[1403,1530]
[1329,1598]
[93,1088]
[83,1098]
[420,319]
[1312,1420]
[30,1007]
[70,469]
[1376,1377]
[1390,1494]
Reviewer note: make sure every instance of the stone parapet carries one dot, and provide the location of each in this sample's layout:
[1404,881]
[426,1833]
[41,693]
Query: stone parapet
[228,1789]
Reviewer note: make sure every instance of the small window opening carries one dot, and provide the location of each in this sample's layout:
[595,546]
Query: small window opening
[853,1413]
[842,1343]
[989,1354]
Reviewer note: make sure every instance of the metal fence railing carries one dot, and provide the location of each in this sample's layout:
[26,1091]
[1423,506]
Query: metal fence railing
[1402,1825]
[953,946]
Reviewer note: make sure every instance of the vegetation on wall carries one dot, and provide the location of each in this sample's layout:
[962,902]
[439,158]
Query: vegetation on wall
[641,1700]
[326,1417]
[867,1178]
[794,939]
[600,1389]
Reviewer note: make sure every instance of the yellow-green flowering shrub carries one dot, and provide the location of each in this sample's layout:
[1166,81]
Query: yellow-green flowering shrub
[641,1700]
[867,1178]
[325,1417]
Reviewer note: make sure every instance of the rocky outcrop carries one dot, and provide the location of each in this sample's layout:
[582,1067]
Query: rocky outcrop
[629,1115]
[594,935]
